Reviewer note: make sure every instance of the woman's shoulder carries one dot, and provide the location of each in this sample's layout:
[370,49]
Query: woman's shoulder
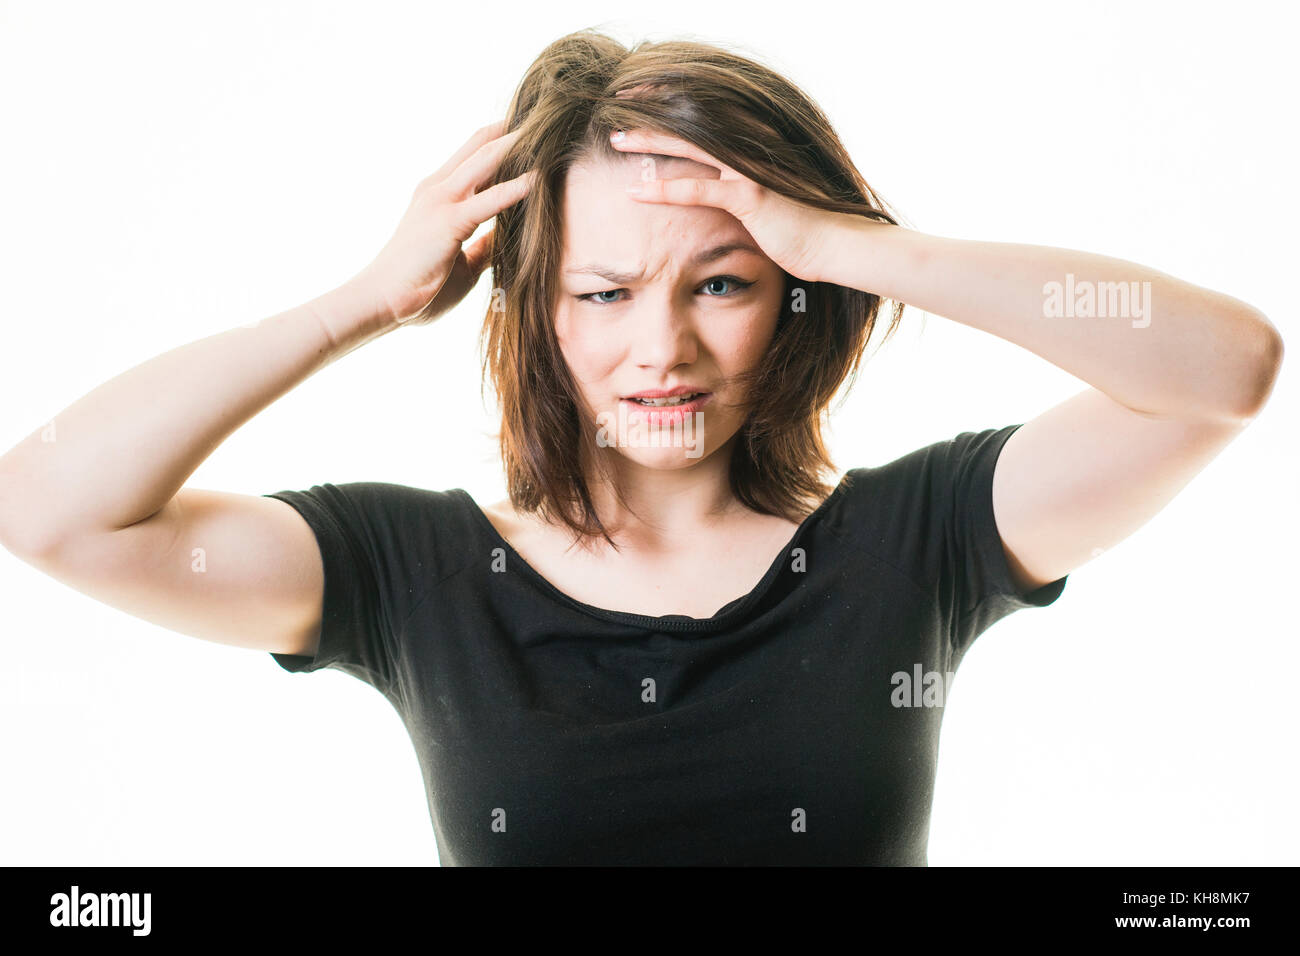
[518,530]
[391,514]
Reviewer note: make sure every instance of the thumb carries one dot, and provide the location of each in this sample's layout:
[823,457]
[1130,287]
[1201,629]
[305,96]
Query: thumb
[479,252]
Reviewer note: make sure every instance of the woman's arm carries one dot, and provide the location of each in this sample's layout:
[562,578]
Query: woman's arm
[1155,344]
[117,455]
[94,498]
[1177,374]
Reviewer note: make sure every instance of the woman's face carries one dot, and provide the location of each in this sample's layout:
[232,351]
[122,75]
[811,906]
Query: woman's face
[647,304]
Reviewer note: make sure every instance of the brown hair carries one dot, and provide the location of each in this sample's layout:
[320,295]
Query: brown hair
[753,120]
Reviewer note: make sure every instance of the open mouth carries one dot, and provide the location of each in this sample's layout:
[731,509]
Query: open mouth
[671,402]
[668,411]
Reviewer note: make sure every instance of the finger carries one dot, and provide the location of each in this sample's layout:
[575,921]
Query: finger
[480,166]
[481,207]
[649,141]
[634,90]
[719,193]
[486,133]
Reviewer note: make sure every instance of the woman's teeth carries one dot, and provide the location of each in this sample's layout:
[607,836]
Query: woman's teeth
[675,400]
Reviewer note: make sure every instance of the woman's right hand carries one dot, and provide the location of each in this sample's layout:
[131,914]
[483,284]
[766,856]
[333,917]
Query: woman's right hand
[422,271]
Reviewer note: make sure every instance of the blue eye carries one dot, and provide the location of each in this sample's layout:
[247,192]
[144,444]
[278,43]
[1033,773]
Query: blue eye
[727,279]
[740,284]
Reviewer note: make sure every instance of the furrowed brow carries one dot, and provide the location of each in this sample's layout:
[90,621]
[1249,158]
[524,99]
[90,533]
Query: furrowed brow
[701,258]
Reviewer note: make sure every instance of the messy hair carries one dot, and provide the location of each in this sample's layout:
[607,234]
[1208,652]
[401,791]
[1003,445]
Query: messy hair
[745,115]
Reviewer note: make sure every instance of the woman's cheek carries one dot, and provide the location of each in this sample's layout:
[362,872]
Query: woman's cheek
[756,335]
[593,358]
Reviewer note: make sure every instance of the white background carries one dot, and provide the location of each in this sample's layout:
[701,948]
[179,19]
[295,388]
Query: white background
[173,170]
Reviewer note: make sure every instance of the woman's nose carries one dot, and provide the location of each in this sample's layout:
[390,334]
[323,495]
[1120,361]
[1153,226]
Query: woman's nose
[665,337]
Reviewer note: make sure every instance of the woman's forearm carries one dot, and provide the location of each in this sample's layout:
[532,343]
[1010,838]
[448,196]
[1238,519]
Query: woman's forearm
[1157,344]
[122,451]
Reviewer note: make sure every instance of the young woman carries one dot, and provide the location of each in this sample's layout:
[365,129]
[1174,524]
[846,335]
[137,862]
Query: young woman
[672,644]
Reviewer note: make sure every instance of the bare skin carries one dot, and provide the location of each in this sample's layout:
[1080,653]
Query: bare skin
[690,547]
[711,567]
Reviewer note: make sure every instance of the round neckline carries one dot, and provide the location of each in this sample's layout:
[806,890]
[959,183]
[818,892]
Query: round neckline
[682,623]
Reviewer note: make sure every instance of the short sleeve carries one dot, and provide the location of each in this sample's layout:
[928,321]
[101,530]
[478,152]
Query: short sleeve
[359,529]
[976,586]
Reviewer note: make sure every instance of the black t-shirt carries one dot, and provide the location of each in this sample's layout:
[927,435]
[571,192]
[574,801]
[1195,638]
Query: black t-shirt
[798,725]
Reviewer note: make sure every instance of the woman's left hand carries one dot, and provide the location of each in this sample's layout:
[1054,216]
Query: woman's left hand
[794,236]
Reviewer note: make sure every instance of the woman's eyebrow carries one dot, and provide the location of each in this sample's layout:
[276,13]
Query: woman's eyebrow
[700,258]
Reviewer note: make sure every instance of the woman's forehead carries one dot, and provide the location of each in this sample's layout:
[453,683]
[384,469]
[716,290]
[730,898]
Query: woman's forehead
[601,222]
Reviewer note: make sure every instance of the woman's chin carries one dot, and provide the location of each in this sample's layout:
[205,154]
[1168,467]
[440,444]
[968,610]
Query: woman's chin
[664,458]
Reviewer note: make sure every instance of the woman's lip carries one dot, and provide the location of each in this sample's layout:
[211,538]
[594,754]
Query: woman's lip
[667,414]
[674,393]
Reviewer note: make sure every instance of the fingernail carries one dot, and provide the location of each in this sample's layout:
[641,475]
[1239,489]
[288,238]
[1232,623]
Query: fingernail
[634,189]
[617,135]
